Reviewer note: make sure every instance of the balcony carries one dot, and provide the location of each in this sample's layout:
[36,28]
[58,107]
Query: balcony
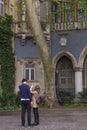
[20,29]
[69,26]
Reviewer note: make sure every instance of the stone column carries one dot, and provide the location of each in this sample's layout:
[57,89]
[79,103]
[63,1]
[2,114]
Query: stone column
[78,81]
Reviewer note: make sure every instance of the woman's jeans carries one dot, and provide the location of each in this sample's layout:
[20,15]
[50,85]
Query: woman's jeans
[36,115]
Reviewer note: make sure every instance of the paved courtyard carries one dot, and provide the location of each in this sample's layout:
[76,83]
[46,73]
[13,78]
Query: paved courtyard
[61,118]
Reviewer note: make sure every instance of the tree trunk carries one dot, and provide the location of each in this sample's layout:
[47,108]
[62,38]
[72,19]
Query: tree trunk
[33,20]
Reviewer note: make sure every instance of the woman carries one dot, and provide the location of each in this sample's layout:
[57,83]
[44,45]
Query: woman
[35,94]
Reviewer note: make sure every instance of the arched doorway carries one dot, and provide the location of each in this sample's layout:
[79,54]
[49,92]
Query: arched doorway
[85,74]
[64,75]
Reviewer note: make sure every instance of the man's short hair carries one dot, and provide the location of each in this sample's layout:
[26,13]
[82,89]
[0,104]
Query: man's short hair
[24,80]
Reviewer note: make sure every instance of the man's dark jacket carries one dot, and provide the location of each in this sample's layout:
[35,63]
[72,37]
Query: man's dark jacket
[25,92]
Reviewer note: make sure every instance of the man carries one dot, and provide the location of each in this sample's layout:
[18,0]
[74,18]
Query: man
[26,101]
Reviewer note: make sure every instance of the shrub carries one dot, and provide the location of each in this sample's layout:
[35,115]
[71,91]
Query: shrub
[17,101]
[83,96]
[8,99]
[65,97]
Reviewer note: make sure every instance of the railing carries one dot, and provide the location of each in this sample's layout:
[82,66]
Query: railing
[69,25]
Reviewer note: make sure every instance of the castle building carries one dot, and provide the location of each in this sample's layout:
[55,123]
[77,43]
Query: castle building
[65,26]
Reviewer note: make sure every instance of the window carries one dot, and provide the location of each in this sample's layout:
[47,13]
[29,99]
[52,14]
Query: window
[66,76]
[81,12]
[58,18]
[30,71]
[69,12]
[69,15]
[57,11]
[1,7]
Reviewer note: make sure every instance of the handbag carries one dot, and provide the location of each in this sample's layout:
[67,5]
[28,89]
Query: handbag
[39,100]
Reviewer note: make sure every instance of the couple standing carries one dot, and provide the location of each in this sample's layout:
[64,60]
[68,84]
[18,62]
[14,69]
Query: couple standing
[28,98]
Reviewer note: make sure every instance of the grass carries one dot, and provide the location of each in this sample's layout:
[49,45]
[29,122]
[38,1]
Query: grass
[11,108]
[76,104]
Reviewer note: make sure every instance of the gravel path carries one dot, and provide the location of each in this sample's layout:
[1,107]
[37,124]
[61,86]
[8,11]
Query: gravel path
[61,118]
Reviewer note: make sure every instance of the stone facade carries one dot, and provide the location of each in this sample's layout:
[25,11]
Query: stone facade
[68,49]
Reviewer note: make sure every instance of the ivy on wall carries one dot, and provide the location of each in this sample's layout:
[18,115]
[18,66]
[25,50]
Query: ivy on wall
[7,60]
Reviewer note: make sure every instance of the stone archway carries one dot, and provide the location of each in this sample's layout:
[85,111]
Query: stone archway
[67,54]
[64,64]
[65,75]
[83,64]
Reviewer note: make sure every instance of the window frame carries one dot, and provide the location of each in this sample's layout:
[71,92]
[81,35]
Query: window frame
[81,9]
[68,75]
[28,72]
[69,10]
[65,12]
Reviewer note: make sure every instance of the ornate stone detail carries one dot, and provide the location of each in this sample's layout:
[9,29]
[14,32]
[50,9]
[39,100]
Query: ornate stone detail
[63,41]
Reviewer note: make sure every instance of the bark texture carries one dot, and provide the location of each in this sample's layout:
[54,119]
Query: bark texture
[34,22]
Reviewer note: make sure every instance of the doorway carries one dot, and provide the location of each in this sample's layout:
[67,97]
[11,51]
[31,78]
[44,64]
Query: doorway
[64,75]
